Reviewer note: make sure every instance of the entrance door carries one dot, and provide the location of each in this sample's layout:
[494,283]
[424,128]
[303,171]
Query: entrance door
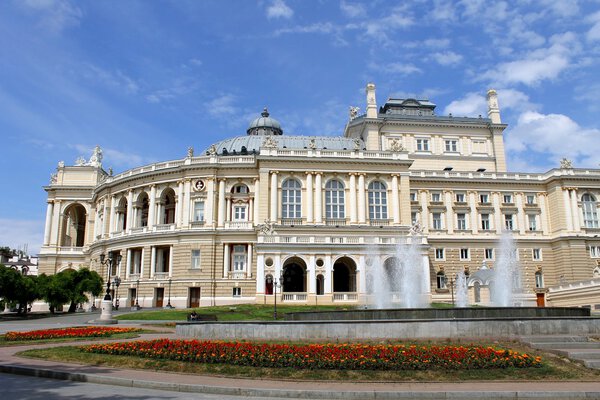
[132,296]
[160,295]
[541,301]
[194,297]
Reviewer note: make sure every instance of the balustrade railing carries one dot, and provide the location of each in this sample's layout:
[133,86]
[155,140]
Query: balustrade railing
[294,296]
[349,296]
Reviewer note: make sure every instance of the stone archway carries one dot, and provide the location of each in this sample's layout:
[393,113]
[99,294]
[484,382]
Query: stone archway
[391,268]
[344,275]
[74,226]
[294,276]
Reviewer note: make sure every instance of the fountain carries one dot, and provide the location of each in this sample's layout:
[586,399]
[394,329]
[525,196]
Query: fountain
[462,298]
[507,273]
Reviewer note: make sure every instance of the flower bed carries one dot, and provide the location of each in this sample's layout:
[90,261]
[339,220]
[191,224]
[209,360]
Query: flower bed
[87,331]
[323,356]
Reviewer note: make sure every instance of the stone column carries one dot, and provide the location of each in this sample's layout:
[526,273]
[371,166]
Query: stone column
[361,199]
[474,223]
[405,207]
[209,215]
[318,198]
[352,198]
[362,275]
[395,200]
[170,261]
[255,209]
[226,262]
[497,213]
[312,277]
[543,212]
[520,213]
[111,224]
[449,211]
[152,208]
[187,189]
[228,209]
[260,274]
[153,262]
[424,211]
[221,200]
[105,217]
[178,203]
[128,266]
[249,262]
[576,214]
[567,207]
[129,210]
[250,216]
[309,198]
[48,227]
[274,196]
[328,275]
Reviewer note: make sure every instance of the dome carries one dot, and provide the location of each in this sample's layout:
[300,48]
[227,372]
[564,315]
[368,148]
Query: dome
[264,125]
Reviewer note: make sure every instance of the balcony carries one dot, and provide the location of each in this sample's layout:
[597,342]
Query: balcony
[238,225]
[161,275]
[335,222]
[291,221]
[379,222]
[237,275]
[342,297]
[198,224]
[164,227]
[294,297]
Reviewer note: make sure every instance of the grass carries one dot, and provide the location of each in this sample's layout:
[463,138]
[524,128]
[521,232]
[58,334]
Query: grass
[554,368]
[242,312]
[125,335]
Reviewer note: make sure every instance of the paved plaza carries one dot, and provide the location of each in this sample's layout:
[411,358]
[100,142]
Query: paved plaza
[83,382]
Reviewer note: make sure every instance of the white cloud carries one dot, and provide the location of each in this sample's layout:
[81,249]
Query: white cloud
[55,15]
[594,33]
[278,9]
[16,233]
[443,11]
[116,80]
[353,10]
[319,27]
[398,18]
[222,106]
[470,105]
[196,61]
[396,68]
[447,58]
[437,43]
[111,157]
[556,135]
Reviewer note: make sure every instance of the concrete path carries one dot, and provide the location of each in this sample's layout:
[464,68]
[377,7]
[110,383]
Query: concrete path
[179,382]
[578,348]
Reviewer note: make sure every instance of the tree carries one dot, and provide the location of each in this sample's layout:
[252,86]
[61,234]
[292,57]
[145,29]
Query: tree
[17,289]
[71,287]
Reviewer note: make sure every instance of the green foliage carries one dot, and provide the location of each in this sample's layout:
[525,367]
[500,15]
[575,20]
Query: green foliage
[16,289]
[70,286]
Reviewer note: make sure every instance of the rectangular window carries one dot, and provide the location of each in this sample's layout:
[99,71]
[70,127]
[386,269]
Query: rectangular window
[530,199]
[136,261]
[460,197]
[461,221]
[195,262]
[162,261]
[199,211]
[237,292]
[595,251]
[436,197]
[422,144]
[479,147]
[485,222]
[436,221]
[537,254]
[413,217]
[508,222]
[532,222]
[413,196]
[507,198]
[239,213]
[464,254]
[240,257]
[451,145]
[439,254]
[489,254]
[484,198]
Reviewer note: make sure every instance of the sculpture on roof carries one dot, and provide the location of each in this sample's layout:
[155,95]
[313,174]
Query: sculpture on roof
[80,162]
[396,145]
[61,164]
[96,158]
[269,143]
[212,150]
[353,112]
[53,178]
[267,228]
[356,144]
[312,144]
[416,229]
[190,152]
[565,163]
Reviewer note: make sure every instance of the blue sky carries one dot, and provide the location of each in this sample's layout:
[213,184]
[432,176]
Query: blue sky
[146,79]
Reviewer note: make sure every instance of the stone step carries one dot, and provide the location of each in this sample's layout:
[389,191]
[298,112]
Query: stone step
[553,338]
[592,363]
[592,354]
[566,345]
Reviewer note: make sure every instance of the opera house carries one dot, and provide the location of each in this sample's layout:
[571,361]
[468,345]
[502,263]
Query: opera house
[304,218]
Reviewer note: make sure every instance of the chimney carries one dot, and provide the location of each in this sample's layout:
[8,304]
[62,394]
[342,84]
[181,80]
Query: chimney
[493,108]
[371,101]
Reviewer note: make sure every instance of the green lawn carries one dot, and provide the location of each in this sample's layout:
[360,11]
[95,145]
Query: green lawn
[243,312]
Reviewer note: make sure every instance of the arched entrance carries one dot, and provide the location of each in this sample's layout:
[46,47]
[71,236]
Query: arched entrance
[391,268]
[320,285]
[344,275]
[73,230]
[294,276]
[269,284]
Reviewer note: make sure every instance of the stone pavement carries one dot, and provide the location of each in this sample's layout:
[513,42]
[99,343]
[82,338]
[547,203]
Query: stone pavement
[10,363]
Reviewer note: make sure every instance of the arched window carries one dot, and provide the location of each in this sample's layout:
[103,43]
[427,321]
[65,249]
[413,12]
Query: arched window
[334,200]
[441,280]
[291,199]
[377,200]
[477,292]
[539,279]
[590,212]
[240,188]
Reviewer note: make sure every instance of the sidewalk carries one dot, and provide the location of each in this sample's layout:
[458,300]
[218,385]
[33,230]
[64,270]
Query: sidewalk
[288,389]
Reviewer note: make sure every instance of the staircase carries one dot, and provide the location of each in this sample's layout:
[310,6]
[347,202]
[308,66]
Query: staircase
[578,348]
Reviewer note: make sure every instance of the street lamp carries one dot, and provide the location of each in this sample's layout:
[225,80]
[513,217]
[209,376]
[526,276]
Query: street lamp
[275,284]
[109,262]
[169,302]
[137,294]
[116,283]
[451,287]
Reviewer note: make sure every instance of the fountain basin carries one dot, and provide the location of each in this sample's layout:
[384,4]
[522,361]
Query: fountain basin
[506,326]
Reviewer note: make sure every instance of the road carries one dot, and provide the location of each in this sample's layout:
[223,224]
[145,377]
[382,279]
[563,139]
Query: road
[30,388]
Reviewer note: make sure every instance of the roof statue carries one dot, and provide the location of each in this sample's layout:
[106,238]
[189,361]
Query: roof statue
[53,178]
[416,229]
[357,143]
[269,143]
[565,163]
[353,112]
[212,150]
[190,152]
[80,162]
[396,145]
[96,158]
[267,228]
[61,164]
[312,144]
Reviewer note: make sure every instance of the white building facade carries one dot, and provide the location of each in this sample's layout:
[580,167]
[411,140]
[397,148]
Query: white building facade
[308,216]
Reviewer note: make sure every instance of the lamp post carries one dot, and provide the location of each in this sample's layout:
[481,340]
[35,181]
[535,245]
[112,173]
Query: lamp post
[169,302]
[451,288]
[137,294]
[275,284]
[117,283]
[109,262]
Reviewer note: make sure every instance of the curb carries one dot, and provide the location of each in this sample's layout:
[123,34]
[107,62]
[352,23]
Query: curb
[293,394]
